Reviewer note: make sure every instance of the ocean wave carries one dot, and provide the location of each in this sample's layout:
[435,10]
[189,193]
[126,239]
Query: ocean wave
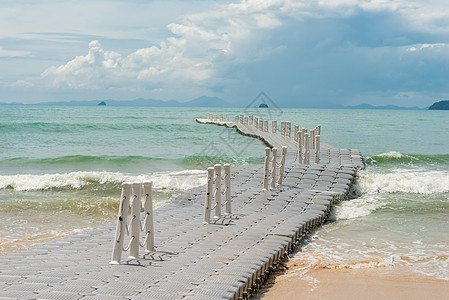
[64,127]
[403,181]
[181,180]
[204,160]
[394,158]
[77,159]
[356,208]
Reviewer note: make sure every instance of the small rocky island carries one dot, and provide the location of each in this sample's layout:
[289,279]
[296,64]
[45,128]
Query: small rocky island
[102,103]
[440,105]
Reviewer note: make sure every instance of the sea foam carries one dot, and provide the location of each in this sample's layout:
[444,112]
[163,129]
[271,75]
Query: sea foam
[356,208]
[403,181]
[182,180]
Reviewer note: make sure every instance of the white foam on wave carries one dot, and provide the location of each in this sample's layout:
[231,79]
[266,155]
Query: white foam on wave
[182,180]
[356,208]
[391,154]
[403,181]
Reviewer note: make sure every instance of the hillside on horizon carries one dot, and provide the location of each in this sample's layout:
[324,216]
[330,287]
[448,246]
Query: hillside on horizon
[202,101]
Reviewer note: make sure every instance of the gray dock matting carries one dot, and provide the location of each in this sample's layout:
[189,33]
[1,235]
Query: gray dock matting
[227,259]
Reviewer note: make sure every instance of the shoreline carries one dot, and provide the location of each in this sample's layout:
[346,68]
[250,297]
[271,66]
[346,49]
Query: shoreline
[394,282]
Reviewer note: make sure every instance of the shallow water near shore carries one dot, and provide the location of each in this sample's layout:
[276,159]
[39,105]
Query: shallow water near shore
[61,169]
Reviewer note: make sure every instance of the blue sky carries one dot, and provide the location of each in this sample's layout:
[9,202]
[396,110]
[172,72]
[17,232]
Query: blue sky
[301,53]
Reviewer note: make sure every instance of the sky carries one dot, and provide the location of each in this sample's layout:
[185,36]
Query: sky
[300,53]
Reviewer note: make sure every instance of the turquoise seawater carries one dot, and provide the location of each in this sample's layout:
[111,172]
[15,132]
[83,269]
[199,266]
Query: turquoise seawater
[61,170]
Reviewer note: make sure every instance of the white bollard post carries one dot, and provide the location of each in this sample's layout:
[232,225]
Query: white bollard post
[236,119]
[246,120]
[295,133]
[274,126]
[273,168]
[256,122]
[227,179]
[312,139]
[282,165]
[306,149]
[217,192]
[241,119]
[221,118]
[148,209]
[266,126]
[261,125]
[136,205]
[317,149]
[289,129]
[251,118]
[208,116]
[282,128]
[209,191]
[266,167]
[319,130]
[300,144]
[227,117]
[121,224]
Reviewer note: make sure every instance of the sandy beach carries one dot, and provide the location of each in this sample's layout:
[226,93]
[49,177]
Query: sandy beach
[372,283]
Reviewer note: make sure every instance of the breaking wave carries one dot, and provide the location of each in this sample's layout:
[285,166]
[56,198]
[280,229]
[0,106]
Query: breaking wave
[181,180]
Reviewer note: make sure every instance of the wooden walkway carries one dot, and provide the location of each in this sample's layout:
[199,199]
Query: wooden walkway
[228,258]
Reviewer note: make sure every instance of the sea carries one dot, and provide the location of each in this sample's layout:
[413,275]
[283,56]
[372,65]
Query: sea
[61,170]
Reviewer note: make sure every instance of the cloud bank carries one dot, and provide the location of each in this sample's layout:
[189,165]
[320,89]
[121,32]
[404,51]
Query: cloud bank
[340,51]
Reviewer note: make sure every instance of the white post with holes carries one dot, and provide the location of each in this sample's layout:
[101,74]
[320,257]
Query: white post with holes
[273,168]
[317,149]
[217,191]
[312,139]
[289,129]
[274,126]
[300,147]
[136,205]
[209,191]
[227,180]
[266,167]
[121,224]
[282,165]
[148,209]
[306,149]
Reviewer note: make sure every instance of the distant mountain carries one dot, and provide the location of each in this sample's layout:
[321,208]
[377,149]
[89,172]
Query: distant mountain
[202,101]
[205,101]
[440,105]
[369,106]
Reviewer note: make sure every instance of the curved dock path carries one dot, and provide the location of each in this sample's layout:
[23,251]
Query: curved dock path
[226,259]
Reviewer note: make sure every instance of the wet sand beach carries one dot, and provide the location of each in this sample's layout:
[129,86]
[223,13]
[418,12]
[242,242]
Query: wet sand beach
[336,284]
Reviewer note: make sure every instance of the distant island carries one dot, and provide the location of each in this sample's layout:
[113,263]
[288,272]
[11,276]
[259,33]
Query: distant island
[206,101]
[440,105]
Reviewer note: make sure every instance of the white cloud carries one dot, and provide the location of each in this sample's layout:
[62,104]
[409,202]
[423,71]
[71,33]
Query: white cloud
[225,46]
[230,35]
